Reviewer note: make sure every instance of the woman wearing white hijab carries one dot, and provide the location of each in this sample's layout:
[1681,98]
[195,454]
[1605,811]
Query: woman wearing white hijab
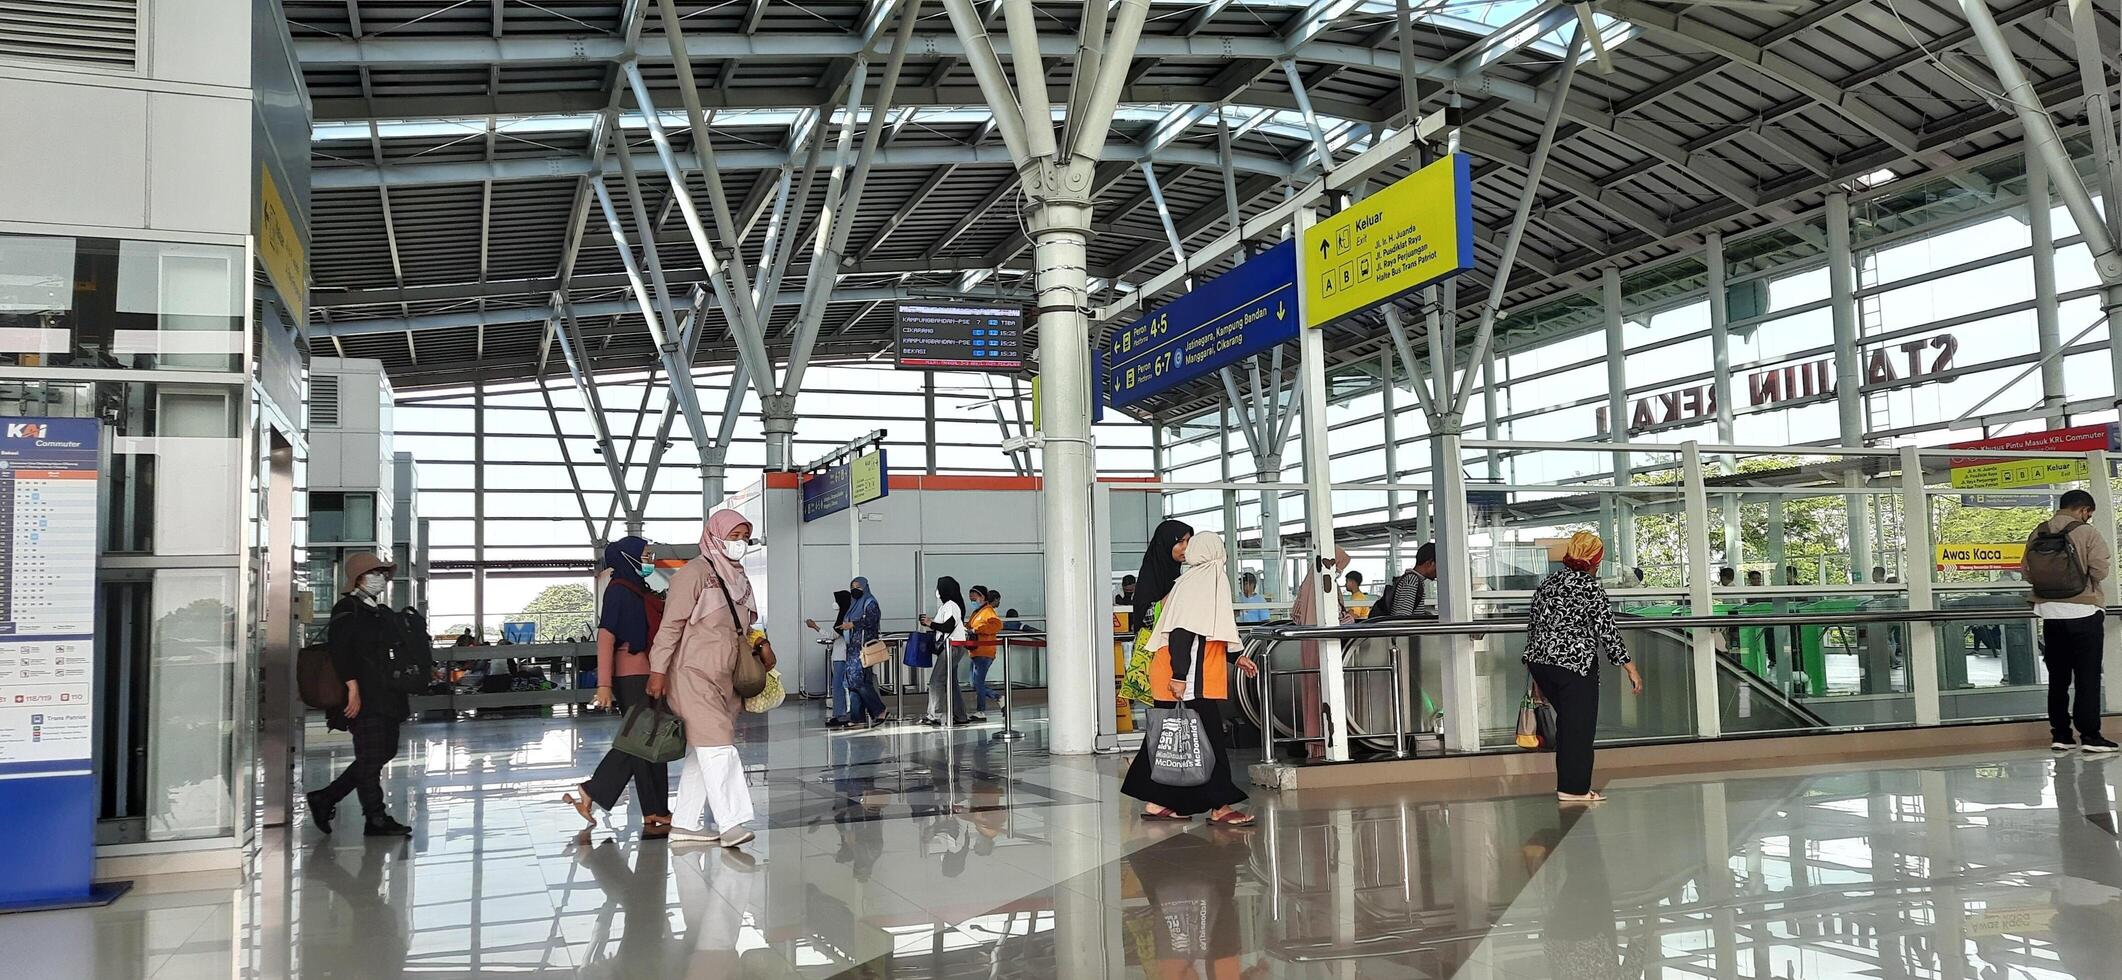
[1196,638]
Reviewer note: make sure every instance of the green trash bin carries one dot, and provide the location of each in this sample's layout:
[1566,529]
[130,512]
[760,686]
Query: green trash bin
[1812,640]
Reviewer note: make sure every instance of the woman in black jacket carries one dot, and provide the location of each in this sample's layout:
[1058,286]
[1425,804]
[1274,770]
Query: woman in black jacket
[366,639]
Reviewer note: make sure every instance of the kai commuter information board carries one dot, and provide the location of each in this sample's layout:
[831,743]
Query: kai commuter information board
[49,521]
[1411,234]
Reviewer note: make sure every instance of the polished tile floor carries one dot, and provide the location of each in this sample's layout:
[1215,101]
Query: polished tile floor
[911,853]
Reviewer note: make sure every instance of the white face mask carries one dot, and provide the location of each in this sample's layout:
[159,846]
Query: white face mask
[736,550]
[373,584]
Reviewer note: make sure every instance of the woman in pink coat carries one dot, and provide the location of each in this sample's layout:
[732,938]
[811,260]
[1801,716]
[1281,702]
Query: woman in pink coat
[707,621]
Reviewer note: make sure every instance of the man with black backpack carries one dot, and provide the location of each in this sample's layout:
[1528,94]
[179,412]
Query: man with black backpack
[2065,562]
[380,664]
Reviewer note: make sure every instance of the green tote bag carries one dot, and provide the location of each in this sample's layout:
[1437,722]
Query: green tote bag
[652,732]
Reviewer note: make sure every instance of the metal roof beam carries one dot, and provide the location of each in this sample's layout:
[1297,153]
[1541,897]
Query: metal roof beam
[595,308]
[547,168]
[1673,28]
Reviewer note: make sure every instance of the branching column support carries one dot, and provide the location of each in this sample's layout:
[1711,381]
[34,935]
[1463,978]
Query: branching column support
[1058,186]
[2045,146]
[1484,335]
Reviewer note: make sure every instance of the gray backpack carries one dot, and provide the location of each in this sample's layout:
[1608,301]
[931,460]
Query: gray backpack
[2053,568]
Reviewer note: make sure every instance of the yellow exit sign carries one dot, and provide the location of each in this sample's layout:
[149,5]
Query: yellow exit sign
[1413,233]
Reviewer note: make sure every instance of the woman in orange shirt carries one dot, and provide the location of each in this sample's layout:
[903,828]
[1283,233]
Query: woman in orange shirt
[984,623]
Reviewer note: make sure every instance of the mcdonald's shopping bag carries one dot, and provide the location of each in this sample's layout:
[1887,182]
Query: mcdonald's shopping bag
[1180,754]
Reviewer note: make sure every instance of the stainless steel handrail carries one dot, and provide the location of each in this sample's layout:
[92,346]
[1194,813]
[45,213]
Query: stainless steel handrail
[1423,627]
[1266,637]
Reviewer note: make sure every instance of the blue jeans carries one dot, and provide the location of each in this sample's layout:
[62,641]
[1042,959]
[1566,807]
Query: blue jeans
[854,692]
[982,693]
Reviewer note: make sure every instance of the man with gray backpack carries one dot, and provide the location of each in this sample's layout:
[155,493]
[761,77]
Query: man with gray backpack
[2065,562]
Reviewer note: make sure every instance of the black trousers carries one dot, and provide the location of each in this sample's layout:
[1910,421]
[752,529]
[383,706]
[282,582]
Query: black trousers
[2072,649]
[375,745]
[1576,700]
[651,779]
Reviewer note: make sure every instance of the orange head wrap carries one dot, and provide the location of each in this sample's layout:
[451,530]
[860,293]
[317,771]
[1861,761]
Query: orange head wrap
[1584,551]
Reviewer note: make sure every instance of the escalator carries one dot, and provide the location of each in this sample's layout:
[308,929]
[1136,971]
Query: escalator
[1747,702]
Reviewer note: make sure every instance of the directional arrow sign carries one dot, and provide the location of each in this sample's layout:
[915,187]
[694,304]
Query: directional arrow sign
[1224,320]
[1415,232]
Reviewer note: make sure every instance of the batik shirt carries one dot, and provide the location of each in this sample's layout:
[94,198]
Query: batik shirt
[1572,624]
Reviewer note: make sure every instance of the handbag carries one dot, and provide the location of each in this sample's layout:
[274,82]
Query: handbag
[652,732]
[768,699]
[875,652]
[1536,721]
[749,677]
[1180,753]
[920,652]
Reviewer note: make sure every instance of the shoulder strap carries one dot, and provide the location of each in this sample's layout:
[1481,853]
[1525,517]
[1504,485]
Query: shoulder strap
[735,619]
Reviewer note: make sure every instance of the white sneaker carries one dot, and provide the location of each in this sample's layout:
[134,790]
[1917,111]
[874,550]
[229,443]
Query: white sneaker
[737,836]
[682,835]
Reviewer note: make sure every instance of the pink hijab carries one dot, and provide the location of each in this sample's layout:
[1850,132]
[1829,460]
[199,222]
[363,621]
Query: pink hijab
[719,524]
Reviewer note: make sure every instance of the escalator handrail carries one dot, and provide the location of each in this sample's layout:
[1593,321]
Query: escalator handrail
[1424,627]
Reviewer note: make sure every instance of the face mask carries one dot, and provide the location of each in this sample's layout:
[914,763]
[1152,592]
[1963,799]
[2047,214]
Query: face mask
[736,550]
[657,578]
[373,583]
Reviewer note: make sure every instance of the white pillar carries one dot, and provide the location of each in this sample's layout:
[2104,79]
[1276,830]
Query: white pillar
[1461,700]
[1060,233]
[2101,486]
[1849,373]
[1709,718]
[1623,545]
[1917,560]
[2048,325]
[1319,521]
[1392,462]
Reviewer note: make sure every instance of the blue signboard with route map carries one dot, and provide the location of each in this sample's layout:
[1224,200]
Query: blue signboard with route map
[1249,309]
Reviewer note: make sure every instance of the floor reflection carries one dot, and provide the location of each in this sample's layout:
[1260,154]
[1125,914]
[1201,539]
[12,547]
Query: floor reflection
[920,854]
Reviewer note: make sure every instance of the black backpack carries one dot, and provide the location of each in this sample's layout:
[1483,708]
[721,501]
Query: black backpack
[412,657]
[2053,567]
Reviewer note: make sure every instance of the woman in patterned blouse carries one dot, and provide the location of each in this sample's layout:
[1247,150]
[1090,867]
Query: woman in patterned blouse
[1572,625]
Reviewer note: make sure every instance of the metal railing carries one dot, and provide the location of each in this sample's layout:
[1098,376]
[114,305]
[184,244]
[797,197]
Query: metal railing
[1263,639]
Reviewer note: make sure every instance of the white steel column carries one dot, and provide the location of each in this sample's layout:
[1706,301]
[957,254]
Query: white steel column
[1720,379]
[2048,320]
[1849,373]
[1709,718]
[1623,545]
[1058,189]
[1392,463]
[1461,700]
[1919,560]
[1319,521]
[1720,338]
[2101,486]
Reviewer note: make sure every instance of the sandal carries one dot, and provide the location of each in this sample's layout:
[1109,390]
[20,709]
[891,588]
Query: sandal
[1233,818]
[655,828]
[580,803]
[1593,797]
[1163,814]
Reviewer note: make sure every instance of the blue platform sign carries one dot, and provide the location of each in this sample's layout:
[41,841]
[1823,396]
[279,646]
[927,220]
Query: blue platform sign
[48,533]
[843,485]
[1249,309]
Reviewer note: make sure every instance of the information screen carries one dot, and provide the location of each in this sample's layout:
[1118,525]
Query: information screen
[960,335]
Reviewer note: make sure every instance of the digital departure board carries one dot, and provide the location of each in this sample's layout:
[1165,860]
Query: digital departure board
[960,335]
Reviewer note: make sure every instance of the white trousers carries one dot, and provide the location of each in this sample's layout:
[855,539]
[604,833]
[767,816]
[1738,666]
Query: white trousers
[711,782]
